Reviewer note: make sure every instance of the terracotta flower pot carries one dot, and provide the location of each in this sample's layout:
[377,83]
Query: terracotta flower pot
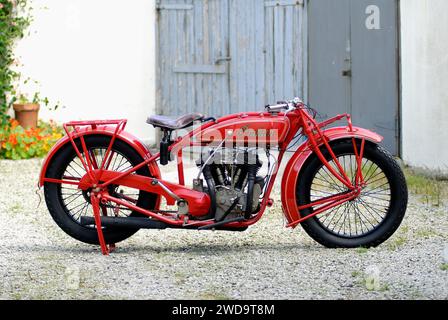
[27,114]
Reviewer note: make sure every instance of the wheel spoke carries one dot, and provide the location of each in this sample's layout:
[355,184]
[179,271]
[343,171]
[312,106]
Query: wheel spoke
[76,202]
[334,216]
[366,206]
[361,215]
[336,184]
[72,200]
[327,181]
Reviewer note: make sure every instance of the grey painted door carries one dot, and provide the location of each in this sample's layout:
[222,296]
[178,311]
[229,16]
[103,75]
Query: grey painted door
[353,63]
[224,56]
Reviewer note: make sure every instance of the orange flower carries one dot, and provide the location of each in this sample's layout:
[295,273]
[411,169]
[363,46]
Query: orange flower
[14,123]
[12,139]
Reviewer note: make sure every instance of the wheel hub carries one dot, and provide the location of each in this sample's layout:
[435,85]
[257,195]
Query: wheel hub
[111,189]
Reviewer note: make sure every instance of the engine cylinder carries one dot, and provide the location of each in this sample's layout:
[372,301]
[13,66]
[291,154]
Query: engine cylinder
[232,182]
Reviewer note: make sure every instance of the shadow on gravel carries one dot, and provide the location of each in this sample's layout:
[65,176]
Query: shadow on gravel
[218,249]
[54,249]
[200,249]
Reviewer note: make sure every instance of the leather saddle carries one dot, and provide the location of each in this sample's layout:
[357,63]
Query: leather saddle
[169,123]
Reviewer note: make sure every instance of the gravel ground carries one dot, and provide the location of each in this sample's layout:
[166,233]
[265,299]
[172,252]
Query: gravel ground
[38,261]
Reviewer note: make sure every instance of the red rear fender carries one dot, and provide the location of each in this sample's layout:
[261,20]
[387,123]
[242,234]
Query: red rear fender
[128,138]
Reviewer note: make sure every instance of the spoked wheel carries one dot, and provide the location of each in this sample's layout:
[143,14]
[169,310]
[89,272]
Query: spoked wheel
[67,204]
[77,201]
[369,219]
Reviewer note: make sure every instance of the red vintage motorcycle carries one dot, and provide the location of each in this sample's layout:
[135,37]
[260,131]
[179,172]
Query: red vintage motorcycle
[102,184]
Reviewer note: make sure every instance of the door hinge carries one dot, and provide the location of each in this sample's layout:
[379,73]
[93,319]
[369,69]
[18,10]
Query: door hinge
[174,6]
[280,3]
[397,127]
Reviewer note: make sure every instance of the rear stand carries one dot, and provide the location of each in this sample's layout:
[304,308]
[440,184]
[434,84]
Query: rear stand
[105,249]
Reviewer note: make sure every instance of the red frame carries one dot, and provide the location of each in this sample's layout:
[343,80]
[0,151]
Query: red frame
[199,202]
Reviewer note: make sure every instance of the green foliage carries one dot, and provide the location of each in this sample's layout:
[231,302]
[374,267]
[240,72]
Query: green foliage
[397,242]
[19,143]
[14,20]
[23,97]
[362,250]
[431,190]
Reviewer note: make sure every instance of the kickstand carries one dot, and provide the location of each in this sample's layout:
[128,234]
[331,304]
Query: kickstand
[96,213]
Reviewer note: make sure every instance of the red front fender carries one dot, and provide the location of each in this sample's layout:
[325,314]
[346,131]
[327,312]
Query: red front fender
[133,141]
[295,165]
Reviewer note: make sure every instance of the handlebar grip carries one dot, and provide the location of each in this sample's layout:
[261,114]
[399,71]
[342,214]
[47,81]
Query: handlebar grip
[277,107]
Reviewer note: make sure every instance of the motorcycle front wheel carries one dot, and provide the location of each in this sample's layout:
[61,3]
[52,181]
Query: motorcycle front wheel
[368,220]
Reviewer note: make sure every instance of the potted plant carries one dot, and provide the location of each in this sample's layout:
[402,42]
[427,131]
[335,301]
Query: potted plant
[26,111]
[26,107]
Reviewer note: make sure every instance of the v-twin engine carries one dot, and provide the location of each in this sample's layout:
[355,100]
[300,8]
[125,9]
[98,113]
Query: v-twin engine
[232,182]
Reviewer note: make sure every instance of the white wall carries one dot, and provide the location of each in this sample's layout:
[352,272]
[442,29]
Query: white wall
[96,57]
[424,48]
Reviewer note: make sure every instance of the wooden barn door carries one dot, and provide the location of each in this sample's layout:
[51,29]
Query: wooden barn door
[224,56]
[193,53]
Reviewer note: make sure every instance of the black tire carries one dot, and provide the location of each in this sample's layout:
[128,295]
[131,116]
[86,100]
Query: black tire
[396,196]
[57,205]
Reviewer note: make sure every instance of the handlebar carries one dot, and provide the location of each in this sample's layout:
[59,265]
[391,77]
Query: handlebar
[284,106]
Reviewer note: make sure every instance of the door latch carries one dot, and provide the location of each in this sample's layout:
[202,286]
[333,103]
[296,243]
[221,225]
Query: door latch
[222,59]
[347,73]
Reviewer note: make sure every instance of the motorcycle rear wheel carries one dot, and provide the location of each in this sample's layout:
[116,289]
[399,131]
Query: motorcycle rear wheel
[366,221]
[67,204]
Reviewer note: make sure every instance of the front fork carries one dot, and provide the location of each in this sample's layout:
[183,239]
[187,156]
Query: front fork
[314,133]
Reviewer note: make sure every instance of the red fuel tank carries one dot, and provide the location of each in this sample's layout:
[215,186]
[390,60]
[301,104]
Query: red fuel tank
[252,129]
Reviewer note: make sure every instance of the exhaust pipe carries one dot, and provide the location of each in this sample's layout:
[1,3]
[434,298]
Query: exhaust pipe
[130,222]
[145,223]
